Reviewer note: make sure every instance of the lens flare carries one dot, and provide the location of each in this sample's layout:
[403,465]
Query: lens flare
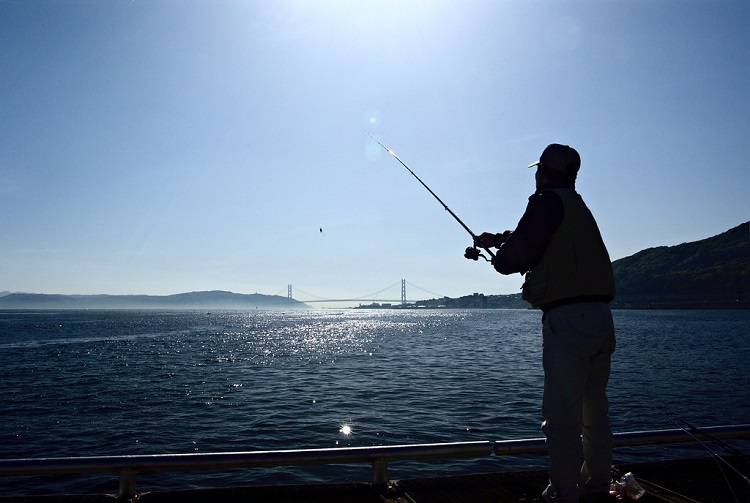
[372,117]
[373,151]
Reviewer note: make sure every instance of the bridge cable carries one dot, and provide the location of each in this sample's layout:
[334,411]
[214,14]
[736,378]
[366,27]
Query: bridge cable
[363,297]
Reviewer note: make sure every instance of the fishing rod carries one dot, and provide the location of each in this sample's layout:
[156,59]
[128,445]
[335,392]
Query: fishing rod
[693,432]
[471,252]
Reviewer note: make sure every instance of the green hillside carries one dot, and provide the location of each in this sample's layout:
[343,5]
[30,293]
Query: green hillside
[710,273]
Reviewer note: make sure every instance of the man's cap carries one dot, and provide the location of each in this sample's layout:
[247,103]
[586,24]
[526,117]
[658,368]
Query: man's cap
[560,158]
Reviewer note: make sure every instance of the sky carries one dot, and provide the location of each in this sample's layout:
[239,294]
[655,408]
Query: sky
[167,146]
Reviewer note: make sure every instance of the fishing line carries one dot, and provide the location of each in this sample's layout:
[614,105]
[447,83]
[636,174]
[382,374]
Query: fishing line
[717,441]
[694,430]
[438,199]
[718,458]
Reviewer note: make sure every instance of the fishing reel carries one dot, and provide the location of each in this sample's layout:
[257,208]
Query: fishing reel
[473,253]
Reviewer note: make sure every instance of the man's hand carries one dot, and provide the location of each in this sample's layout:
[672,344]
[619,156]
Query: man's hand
[490,240]
[485,240]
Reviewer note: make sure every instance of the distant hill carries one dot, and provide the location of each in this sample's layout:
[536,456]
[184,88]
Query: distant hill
[194,300]
[710,273]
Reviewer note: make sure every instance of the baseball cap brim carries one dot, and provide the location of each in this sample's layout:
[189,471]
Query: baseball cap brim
[559,157]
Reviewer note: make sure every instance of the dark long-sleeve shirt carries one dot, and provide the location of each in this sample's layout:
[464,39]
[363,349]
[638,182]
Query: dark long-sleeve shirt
[526,244]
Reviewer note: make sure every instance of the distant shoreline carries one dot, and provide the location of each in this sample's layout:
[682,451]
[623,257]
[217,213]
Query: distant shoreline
[184,301]
[228,301]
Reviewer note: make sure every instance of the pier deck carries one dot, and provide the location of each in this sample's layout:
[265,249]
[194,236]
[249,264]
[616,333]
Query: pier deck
[702,480]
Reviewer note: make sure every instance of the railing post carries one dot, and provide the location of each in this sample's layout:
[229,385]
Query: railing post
[127,484]
[379,472]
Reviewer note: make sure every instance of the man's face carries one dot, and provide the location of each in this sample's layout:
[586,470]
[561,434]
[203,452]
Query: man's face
[539,176]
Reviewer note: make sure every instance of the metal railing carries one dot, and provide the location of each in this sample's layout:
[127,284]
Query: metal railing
[378,456]
[651,437]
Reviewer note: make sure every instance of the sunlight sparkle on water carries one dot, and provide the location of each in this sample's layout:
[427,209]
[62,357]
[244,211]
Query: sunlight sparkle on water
[345,430]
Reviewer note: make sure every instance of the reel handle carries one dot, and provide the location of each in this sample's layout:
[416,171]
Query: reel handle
[473,253]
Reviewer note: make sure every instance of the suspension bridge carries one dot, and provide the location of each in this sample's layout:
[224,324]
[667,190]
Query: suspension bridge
[379,296]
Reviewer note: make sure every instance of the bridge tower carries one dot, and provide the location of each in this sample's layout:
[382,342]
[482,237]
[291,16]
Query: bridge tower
[403,292]
[289,291]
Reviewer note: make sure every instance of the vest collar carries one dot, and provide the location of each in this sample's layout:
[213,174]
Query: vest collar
[557,184]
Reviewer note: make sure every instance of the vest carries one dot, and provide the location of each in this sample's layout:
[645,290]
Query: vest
[575,263]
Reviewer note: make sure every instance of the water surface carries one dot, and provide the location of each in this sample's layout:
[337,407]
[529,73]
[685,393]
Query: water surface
[85,383]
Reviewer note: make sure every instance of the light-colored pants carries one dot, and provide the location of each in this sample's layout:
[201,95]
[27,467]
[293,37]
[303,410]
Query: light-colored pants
[578,341]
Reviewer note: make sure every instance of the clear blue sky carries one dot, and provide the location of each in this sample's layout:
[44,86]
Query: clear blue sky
[157,147]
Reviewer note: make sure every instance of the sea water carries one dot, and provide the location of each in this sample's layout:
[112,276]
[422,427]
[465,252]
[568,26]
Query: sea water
[90,383]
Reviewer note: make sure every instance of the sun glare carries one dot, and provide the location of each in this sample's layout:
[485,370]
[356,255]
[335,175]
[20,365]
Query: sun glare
[371,21]
[345,430]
